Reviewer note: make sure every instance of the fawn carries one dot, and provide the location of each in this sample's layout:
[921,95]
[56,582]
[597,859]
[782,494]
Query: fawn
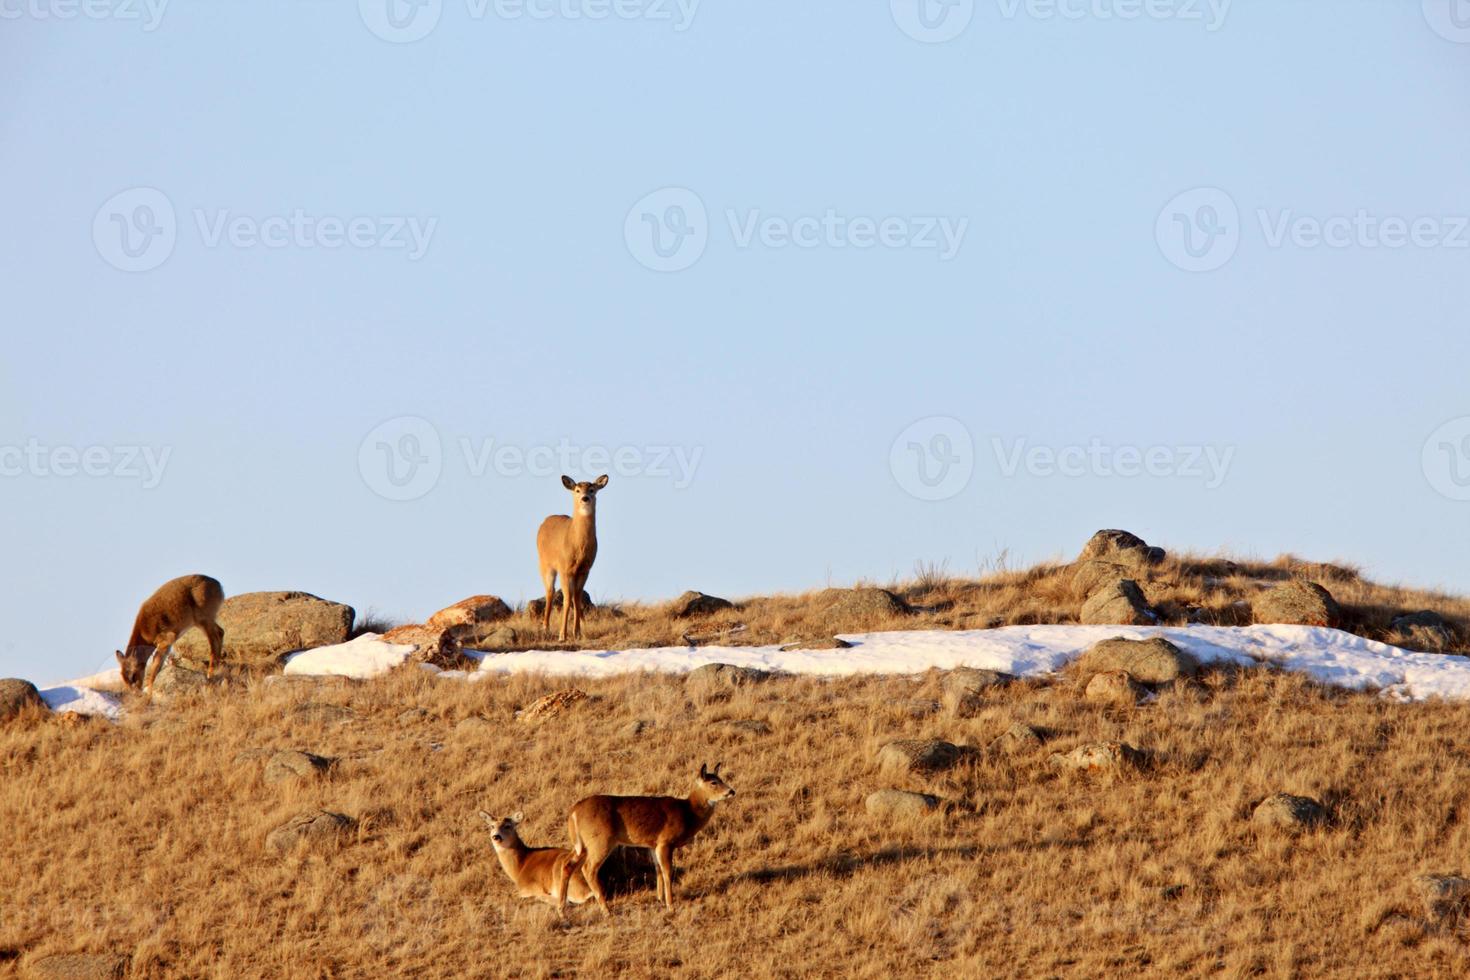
[190,600]
[536,871]
[567,546]
[599,824]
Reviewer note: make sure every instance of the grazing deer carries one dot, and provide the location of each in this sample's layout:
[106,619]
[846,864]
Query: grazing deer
[190,600]
[599,824]
[536,871]
[567,547]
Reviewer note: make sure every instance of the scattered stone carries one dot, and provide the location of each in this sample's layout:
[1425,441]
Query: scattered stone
[1153,661]
[261,627]
[498,637]
[1424,628]
[750,726]
[1321,570]
[1121,602]
[316,828]
[1097,757]
[918,756]
[536,606]
[698,637]
[16,696]
[866,603]
[1443,895]
[1115,687]
[79,966]
[322,713]
[471,621]
[1286,812]
[1018,738]
[1121,547]
[1299,603]
[472,725]
[635,728]
[412,716]
[963,689]
[176,678]
[253,754]
[432,645]
[551,705]
[710,677]
[920,707]
[899,803]
[698,604]
[818,643]
[1095,573]
[291,764]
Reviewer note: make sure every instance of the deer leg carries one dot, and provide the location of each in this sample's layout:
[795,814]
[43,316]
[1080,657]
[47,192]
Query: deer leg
[216,636]
[574,595]
[664,855]
[566,605]
[548,579]
[161,646]
[595,857]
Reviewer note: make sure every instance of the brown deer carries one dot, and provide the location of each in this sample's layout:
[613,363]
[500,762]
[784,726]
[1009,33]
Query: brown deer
[181,603]
[567,547]
[599,824]
[536,871]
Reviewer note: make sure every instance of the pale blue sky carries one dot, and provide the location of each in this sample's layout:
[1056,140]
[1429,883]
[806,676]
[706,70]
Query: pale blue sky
[785,374]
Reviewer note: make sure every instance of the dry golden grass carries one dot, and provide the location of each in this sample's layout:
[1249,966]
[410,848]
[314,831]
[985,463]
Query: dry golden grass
[147,838]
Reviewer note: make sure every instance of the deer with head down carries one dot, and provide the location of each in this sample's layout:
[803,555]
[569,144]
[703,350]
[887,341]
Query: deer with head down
[179,604]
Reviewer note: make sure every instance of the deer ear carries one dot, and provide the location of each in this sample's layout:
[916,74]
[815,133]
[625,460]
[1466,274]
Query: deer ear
[119,656]
[716,771]
[703,771]
[487,818]
[517,817]
[566,481]
[600,482]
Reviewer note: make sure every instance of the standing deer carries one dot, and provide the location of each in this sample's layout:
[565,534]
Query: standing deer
[190,600]
[536,871]
[599,824]
[567,546]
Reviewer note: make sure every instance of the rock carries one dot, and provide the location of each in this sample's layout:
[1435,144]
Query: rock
[474,724]
[175,678]
[635,728]
[899,803]
[1121,602]
[316,828]
[261,627]
[723,676]
[535,606]
[750,726]
[699,604]
[16,696]
[1297,602]
[466,614]
[1286,812]
[1424,628]
[1443,895]
[819,643]
[79,966]
[1121,547]
[291,764]
[551,705]
[963,689]
[432,645]
[1152,661]
[1115,687]
[862,604]
[918,756]
[412,716]
[1097,757]
[919,707]
[322,713]
[1018,738]
[497,637]
[1096,573]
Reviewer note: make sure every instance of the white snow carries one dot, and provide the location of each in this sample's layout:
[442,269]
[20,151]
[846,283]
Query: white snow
[1330,656]
[81,699]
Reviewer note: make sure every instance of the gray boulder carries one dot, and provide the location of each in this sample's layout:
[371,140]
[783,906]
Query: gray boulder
[317,829]
[1297,602]
[1282,811]
[1120,602]
[1115,687]
[964,688]
[260,627]
[918,756]
[1018,738]
[1089,576]
[1424,628]
[79,966]
[289,764]
[16,696]
[1121,547]
[698,604]
[899,803]
[1110,757]
[864,604]
[718,677]
[1151,661]
[1443,895]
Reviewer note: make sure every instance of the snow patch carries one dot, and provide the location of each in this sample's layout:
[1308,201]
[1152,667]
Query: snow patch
[365,656]
[83,700]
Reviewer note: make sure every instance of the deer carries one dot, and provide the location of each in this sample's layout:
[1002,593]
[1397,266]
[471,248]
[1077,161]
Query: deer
[567,546]
[598,824]
[536,871]
[179,605]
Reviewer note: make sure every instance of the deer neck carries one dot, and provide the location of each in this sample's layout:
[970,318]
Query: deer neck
[584,527]
[701,808]
[510,860]
[135,639]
